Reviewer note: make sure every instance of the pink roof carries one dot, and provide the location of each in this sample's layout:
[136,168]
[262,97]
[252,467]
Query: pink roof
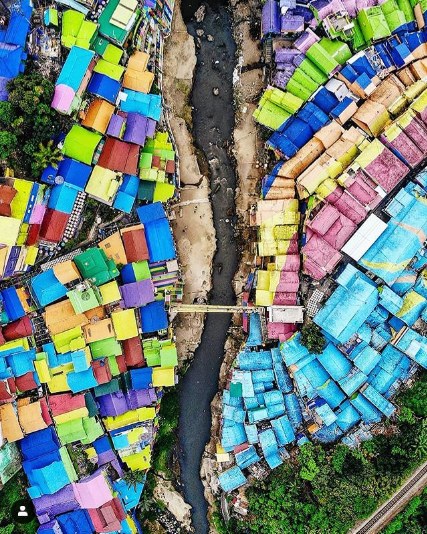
[335,227]
[362,188]
[282,298]
[320,258]
[93,492]
[387,170]
[37,214]
[288,283]
[410,152]
[280,331]
[65,403]
[292,263]
[417,131]
[347,205]
[63,98]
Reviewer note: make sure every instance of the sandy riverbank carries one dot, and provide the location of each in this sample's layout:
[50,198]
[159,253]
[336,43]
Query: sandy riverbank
[193,227]
[248,150]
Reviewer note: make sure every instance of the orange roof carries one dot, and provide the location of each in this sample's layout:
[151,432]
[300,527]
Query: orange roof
[30,417]
[61,316]
[138,61]
[138,81]
[98,115]
[114,249]
[10,428]
[66,272]
[98,330]
[95,314]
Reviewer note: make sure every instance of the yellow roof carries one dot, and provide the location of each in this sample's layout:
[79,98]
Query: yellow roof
[129,418]
[30,417]
[10,428]
[43,371]
[70,416]
[139,461]
[163,376]
[59,383]
[98,330]
[9,230]
[21,343]
[98,115]
[20,201]
[30,258]
[103,184]
[110,292]
[66,272]
[114,248]
[4,253]
[124,323]
[61,316]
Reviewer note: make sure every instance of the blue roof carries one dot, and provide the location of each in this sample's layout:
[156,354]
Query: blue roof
[270,448]
[334,361]
[76,521]
[48,479]
[75,67]
[349,305]
[331,393]
[368,412]
[11,303]
[251,361]
[283,430]
[347,416]
[159,240]
[130,494]
[39,442]
[62,198]
[142,378]
[103,86]
[80,381]
[231,479]
[148,105]
[47,288]
[232,434]
[74,172]
[153,317]
[247,457]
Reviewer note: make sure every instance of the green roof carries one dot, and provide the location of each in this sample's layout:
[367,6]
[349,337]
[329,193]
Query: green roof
[94,265]
[168,355]
[105,347]
[373,24]
[112,53]
[84,300]
[110,30]
[109,69]
[103,389]
[68,465]
[141,270]
[80,144]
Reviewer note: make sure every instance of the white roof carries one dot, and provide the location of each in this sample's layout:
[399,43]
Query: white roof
[364,238]
[286,314]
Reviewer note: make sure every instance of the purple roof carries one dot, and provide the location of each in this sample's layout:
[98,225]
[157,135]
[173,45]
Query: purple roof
[138,128]
[305,40]
[106,457]
[112,404]
[137,398]
[292,23]
[270,21]
[49,506]
[137,294]
[115,126]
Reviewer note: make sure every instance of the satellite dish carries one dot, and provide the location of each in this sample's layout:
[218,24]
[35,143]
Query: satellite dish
[59,180]
[85,295]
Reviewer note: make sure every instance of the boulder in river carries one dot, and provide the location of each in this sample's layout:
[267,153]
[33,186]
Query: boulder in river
[215,91]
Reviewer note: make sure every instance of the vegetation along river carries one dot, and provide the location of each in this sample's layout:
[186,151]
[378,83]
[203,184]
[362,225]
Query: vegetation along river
[213,122]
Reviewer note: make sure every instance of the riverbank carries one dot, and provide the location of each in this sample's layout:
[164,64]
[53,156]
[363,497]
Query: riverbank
[248,152]
[193,224]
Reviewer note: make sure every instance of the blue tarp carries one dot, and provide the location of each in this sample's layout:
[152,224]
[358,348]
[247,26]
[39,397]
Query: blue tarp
[232,479]
[157,232]
[77,521]
[153,317]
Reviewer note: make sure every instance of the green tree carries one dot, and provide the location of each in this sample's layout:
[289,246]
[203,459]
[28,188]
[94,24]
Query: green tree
[133,478]
[8,145]
[47,154]
[312,338]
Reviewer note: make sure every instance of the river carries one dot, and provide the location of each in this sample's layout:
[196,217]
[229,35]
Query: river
[213,122]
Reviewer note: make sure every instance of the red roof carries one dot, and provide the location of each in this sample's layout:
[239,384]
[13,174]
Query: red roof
[53,225]
[17,329]
[119,156]
[5,393]
[2,339]
[26,382]
[133,352]
[101,370]
[66,402]
[45,411]
[135,245]
[33,234]
[121,363]
[170,166]
[7,194]
[108,517]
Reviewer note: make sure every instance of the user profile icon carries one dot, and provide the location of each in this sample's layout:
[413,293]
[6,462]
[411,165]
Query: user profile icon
[22,511]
